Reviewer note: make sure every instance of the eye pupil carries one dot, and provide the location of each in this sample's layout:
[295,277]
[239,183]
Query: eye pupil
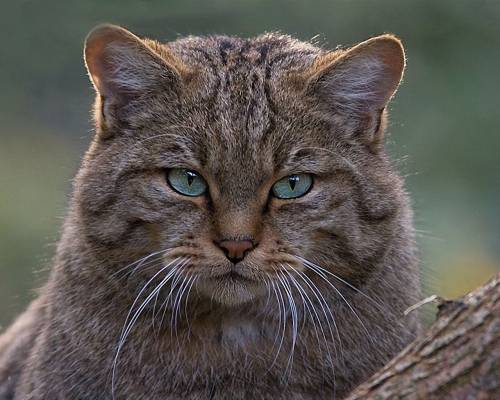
[292,181]
[190,177]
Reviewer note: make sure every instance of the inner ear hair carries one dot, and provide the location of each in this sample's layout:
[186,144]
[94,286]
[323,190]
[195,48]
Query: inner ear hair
[123,68]
[358,83]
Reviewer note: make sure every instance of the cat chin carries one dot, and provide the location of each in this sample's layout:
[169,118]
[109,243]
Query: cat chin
[230,291]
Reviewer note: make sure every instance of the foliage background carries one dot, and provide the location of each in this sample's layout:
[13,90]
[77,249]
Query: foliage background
[444,128]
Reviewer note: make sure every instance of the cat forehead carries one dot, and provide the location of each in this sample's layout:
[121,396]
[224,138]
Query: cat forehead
[229,153]
[243,90]
[234,51]
[244,116]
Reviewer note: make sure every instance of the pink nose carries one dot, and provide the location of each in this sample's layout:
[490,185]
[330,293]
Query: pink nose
[236,250]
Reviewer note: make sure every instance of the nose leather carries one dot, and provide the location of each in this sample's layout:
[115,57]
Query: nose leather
[236,250]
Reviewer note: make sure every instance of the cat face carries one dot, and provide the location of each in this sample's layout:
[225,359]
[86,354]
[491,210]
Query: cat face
[236,163]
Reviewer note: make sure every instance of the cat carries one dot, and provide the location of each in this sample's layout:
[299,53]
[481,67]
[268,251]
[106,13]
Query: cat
[236,229]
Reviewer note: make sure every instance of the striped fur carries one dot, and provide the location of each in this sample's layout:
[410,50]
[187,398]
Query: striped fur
[243,113]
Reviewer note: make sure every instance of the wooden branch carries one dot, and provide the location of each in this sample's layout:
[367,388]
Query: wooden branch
[457,358]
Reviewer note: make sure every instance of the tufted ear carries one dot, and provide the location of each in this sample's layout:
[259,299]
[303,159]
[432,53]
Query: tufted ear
[357,84]
[124,68]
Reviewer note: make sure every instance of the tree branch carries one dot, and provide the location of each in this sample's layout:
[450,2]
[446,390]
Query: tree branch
[457,358]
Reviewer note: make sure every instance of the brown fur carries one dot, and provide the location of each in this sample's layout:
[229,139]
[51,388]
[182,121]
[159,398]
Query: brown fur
[243,113]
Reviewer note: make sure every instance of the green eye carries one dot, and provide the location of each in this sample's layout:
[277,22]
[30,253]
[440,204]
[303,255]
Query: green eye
[186,182]
[292,186]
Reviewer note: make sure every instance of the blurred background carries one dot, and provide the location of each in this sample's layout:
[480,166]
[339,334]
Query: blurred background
[444,131]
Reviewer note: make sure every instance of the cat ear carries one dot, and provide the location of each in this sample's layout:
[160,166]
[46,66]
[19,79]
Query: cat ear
[124,68]
[357,84]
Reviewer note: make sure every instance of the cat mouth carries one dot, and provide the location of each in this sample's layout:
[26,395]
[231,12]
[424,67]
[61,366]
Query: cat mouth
[234,275]
[231,285]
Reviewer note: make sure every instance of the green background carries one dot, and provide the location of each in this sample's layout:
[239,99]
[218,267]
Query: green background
[444,129]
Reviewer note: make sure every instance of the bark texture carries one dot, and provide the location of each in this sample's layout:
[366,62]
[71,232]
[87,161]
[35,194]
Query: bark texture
[457,358]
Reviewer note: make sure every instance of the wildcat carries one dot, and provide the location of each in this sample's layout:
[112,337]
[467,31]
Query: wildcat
[236,229]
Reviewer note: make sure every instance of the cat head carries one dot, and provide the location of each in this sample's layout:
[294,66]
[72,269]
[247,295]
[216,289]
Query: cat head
[237,162]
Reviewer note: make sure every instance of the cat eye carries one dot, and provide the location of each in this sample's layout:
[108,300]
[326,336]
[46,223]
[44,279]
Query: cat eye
[292,186]
[186,182]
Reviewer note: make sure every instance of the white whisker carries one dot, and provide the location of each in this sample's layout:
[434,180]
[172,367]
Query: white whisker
[142,291]
[140,262]
[379,306]
[293,309]
[281,323]
[177,276]
[319,272]
[128,327]
[322,301]
[177,304]
[186,303]
[325,309]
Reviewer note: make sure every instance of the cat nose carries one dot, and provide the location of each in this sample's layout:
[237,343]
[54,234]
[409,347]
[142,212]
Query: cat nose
[236,250]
